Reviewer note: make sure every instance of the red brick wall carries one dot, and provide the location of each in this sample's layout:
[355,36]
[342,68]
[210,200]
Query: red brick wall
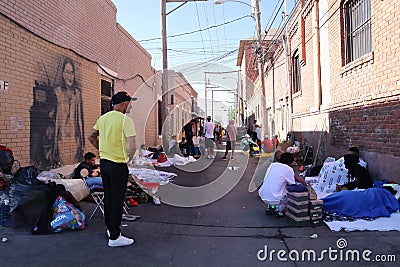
[28,121]
[87,27]
[364,94]
[47,32]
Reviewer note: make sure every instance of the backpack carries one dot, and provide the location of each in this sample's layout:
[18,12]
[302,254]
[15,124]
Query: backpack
[162,158]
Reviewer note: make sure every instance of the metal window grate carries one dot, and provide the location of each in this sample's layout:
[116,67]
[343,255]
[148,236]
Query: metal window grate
[357,19]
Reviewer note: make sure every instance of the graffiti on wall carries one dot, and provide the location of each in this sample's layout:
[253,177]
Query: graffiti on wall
[56,119]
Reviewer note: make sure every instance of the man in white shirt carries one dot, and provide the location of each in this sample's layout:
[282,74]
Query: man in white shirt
[209,135]
[273,191]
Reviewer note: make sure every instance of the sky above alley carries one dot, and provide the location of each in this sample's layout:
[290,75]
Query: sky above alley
[202,36]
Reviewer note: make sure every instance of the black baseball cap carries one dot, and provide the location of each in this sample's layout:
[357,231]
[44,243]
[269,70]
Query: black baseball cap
[122,97]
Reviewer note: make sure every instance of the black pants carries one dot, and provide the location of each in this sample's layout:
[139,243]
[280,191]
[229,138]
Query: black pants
[189,147]
[115,179]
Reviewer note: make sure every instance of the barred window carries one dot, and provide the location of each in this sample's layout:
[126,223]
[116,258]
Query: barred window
[357,23]
[296,72]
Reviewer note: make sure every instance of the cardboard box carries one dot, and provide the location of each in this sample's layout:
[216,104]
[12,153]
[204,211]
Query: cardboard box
[316,204]
[299,197]
[316,221]
[300,221]
[298,205]
[299,213]
[314,215]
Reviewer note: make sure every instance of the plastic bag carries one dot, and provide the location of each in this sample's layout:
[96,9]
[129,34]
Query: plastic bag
[66,216]
[46,176]
[21,194]
[27,175]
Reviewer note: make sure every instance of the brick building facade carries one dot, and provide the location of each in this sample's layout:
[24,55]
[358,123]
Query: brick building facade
[60,63]
[344,81]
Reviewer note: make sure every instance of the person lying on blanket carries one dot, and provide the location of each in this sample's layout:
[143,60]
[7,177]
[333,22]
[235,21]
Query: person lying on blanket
[89,170]
[144,152]
[358,176]
[273,191]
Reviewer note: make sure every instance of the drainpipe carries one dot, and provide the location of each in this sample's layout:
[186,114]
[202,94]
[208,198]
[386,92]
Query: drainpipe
[317,60]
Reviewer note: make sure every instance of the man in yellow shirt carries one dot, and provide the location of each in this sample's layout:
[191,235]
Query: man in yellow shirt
[114,136]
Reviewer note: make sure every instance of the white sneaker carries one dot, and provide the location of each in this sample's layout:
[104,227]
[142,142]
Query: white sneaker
[156,201]
[120,241]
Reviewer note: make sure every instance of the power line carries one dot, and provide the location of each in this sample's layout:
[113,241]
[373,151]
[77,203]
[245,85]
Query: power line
[201,35]
[187,33]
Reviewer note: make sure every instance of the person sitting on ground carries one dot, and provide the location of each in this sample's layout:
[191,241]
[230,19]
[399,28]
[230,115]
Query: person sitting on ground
[90,171]
[173,146]
[183,147]
[354,150]
[358,176]
[144,153]
[261,170]
[267,145]
[273,192]
[246,142]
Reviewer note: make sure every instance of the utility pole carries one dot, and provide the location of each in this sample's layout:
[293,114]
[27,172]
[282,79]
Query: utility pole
[256,11]
[288,70]
[164,79]
[164,86]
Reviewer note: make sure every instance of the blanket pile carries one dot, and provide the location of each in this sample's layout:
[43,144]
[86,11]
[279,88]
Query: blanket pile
[369,203]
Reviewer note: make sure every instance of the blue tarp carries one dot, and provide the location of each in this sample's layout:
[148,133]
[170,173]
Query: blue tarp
[371,202]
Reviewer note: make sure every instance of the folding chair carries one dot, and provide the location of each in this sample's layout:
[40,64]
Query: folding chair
[98,197]
[97,194]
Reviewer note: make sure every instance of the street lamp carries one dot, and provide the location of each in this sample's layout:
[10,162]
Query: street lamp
[216,2]
[255,5]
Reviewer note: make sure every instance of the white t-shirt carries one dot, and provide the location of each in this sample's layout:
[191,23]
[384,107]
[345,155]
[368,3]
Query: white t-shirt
[209,129]
[196,140]
[276,178]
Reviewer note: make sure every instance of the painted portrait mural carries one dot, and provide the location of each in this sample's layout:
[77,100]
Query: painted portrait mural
[56,118]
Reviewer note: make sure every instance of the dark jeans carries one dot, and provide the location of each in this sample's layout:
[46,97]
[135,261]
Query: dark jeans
[189,148]
[115,179]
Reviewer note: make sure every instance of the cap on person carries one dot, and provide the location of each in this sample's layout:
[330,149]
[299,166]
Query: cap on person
[247,136]
[209,117]
[266,136]
[122,97]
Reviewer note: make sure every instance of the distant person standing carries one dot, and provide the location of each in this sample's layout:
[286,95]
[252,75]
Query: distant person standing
[196,142]
[209,135]
[275,141]
[188,129]
[254,131]
[114,136]
[231,133]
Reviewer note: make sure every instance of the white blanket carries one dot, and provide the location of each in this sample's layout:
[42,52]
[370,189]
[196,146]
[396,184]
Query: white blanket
[151,175]
[391,223]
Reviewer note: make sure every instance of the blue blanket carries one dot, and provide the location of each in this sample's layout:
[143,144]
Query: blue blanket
[371,203]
